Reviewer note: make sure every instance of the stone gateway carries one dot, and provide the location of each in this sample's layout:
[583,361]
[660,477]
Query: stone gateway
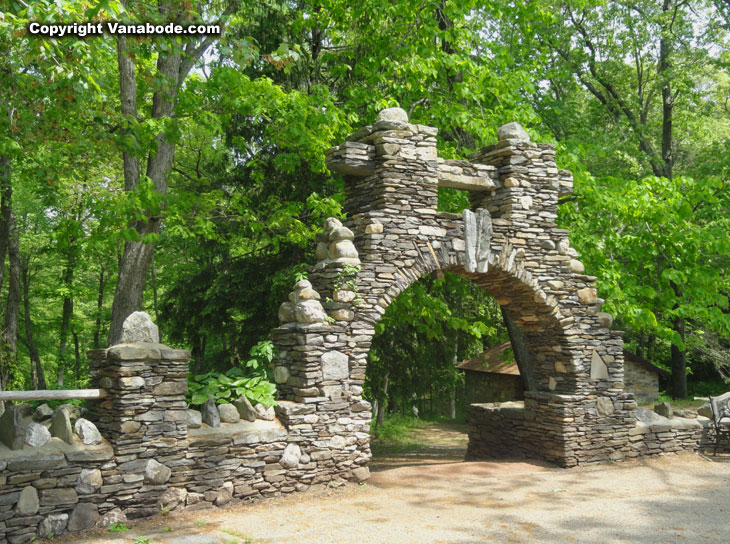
[577,411]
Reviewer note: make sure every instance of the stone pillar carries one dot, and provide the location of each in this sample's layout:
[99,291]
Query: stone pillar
[529,180]
[390,165]
[144,419]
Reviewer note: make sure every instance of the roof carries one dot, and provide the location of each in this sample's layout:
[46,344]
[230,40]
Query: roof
[494,360]
[628,356]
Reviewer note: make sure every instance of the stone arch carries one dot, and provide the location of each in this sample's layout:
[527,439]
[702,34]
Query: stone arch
[507,243]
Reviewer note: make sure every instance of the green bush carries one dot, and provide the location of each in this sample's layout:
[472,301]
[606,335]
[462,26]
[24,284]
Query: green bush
[249,379]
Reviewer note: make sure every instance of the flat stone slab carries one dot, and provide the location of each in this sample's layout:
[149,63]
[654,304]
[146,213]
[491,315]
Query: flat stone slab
[243,432]
[54,454]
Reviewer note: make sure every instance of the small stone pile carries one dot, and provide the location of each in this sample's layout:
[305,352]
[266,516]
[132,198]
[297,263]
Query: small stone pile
[334,244]
[303,306]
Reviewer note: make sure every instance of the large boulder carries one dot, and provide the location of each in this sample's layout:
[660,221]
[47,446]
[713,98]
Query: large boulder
[210,414]
[228,413]
[36,435]
[42,413]
[194,419]
[27,502]
[291,456]
[84,516]
[53,524]
[87,431]
[61,425]
[138,327]
[262,412]
[88,481]
[705,410]
[12,430]
[245,409]
[173,498]
[156,473]
[664,409]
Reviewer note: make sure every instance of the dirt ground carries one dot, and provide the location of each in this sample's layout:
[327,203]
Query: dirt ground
[429,496]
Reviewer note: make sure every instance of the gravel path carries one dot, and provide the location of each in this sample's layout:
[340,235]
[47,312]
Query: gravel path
[684,499]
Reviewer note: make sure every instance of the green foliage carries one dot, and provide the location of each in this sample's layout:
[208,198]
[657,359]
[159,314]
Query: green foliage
[118,527]
[429,327]
[249,379]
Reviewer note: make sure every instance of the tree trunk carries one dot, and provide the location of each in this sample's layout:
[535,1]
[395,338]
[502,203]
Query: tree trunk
[663,69]
[5,198]
[38,375]
[99,309]
[679,364]
[452,399]
[67,312]
[519,348]
[382,406]
[130,286]
[172,68]
[77,358]
[12,309]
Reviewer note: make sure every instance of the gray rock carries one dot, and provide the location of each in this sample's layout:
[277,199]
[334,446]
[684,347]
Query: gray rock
[664,409]
[112,516]
[52,525]
[42,413]
[195,419]
[287,312]
[245,409]
[27,502]
[512,131]
[335,365]
[228,413]
[74,412]
[281,374]
[398,115]
[647,416]
[12,430]
[361,474]
[209,413]
[310,311]
[36,435]
[88,481]
[705,410]
[58,496]
[84,516]
[26,410]
[61,425]
[599,370]
[605,406]
[262,412]
[225,494]
[291,456]
[156,473]
[172,498]
[87,431]
[138,327]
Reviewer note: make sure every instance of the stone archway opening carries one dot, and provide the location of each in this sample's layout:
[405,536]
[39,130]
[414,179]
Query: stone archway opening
[432,326]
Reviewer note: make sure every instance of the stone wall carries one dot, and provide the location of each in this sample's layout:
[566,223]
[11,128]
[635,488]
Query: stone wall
[577,411]
[508,430]
[485,387]
[642,382]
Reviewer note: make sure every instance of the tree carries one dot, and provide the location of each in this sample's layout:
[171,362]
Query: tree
[173,59]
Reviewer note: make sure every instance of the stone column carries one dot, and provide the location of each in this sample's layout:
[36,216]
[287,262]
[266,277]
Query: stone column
[144,418]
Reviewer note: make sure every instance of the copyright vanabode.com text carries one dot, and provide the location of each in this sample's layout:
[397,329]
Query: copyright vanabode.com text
[91,29]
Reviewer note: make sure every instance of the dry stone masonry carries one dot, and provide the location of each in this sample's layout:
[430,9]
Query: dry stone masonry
[140,449]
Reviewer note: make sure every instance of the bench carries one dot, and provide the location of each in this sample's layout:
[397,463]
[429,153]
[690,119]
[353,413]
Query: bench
[721,417]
